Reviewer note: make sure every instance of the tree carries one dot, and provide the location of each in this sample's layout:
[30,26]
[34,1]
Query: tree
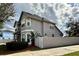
[32,38]
[74,29]
[6,10]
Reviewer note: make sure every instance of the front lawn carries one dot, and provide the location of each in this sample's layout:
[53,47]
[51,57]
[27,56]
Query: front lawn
[73,54]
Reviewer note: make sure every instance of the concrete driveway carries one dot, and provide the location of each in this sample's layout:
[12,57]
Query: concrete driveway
[48,52]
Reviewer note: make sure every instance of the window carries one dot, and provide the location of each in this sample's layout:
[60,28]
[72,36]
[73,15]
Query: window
[28,23]
[45,34]
[52,35]
[28,37]
[23,37]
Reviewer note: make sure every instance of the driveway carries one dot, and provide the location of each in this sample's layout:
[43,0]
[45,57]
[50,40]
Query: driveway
[48,52]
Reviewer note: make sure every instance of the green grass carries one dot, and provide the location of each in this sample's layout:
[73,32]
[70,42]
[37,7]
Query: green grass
[73,54]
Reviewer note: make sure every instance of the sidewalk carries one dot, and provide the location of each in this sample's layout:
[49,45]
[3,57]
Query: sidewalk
[49,52]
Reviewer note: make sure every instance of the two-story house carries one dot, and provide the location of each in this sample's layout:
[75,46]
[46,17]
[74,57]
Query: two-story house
[38,25]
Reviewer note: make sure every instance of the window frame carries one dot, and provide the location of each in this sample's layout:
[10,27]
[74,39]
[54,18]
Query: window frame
[28,21]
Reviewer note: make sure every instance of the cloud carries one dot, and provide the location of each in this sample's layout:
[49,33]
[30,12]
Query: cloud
[47,11]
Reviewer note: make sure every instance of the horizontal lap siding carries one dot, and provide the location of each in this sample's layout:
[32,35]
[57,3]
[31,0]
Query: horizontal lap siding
[36,26]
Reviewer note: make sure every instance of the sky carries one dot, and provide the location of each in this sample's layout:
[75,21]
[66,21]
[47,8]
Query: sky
[50,11]
[28,7]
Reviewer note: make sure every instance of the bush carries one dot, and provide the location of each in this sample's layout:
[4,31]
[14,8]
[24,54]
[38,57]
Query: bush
[16,45]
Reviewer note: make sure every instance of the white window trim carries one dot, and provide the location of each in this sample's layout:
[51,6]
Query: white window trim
[29,22]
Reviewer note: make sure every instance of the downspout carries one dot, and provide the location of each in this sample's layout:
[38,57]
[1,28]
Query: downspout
[42,27]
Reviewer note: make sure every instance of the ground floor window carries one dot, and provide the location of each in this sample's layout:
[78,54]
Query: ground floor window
[8,35]
[52,35]
[28,37]
[23,37]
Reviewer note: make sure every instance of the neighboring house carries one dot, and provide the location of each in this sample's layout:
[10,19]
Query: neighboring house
[16,35]
[7,32]
[39,26]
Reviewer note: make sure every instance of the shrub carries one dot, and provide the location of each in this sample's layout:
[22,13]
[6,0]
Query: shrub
[16,45]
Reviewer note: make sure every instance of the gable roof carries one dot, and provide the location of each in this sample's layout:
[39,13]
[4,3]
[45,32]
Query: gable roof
[35,17]
[61,34]
[15,23]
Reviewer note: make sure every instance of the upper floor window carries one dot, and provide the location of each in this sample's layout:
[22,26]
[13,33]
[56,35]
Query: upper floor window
[28,23]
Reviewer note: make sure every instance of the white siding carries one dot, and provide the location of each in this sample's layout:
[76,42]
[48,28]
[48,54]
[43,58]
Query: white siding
[36,26]
[56,32]
[50,31]
[46,29]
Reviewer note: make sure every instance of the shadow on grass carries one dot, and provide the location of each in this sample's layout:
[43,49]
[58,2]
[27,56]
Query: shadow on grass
[4,51]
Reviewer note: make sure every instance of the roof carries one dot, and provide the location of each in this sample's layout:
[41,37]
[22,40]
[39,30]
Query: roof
[59,30]
[15,23]
[7,29]
[36,17]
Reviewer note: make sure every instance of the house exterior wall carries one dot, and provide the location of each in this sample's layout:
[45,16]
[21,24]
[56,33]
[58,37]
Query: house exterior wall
[43,28]
[36,26]
[50,30]
[24,21]
[47,30]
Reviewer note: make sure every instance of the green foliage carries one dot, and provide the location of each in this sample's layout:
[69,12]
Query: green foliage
[74,29]
[73,54]
[6,10]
